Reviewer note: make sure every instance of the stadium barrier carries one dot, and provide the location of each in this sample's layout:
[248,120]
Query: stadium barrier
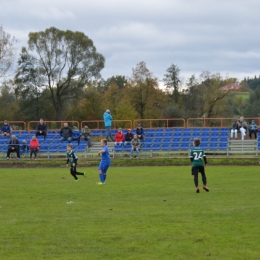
[52,125]
[164,122]
[96,124]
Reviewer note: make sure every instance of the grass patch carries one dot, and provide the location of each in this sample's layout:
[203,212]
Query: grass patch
[141,213]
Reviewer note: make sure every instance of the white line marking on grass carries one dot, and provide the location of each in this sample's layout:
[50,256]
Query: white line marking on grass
[237,208]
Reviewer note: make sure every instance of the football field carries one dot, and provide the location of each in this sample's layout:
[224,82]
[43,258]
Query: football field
[144,213]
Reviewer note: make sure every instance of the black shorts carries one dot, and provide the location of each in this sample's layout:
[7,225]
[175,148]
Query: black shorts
[195,170]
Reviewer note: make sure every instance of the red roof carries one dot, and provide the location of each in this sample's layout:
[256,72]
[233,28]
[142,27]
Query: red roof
[231,87]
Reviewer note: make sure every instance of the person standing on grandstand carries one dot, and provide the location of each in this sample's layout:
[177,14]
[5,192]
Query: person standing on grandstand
[34,147]
[108,124]
[41,129]
[104,163]
[196,155]
[66,133]
[14,146]
[6,129]
[235,128]
[72,159]
[253,129]
[243,127]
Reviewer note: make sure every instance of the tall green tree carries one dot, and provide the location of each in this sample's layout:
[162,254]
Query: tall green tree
[65,61]
[144,93]
[172,81]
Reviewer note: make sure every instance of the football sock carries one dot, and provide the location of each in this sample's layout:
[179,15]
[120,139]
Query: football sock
[79,173]
[101,177]
[105,176]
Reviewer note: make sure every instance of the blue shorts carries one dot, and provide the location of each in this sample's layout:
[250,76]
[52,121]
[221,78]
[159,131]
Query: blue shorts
[103,167]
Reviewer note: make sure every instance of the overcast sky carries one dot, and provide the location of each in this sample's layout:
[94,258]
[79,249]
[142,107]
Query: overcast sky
[196,35]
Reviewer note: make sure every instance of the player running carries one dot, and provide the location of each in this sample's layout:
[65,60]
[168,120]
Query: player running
[72,158]
[196,155]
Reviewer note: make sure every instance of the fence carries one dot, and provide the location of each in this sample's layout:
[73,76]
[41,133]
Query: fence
[52,125]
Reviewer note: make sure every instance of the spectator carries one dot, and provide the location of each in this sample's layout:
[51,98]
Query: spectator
[86,133]
[135,146]
[234,130]
[108,123]
[6,129]
[140,132]
[41,129]
[119,137]
[66,133]
[253,129]
[128,137]
[243,127]
[76,134]
[34,147]
[24,147]
[14,146]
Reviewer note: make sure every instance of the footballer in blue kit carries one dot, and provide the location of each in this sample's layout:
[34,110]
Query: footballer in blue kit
[104,163]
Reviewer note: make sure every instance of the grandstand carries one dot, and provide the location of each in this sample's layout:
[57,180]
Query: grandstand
[163,141]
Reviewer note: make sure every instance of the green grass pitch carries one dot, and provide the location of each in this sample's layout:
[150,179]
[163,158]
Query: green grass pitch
[140,213]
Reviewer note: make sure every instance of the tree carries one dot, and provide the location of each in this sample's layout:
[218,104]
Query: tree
[144,93]
[172,81]
[7,51]
[64,62]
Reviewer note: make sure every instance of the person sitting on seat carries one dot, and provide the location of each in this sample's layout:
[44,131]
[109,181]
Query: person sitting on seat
[253,129]
[234,130]
[86,133]
[66,133]
[24,147]
[34,147]
[243,127]
[14,146]
[41,129]
[135,147]
[119,137]
[128,137]
[6,129]
[76,134]
[140,132]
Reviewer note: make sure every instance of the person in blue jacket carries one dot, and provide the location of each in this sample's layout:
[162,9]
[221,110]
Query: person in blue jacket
[6,129]
[253,129]
[108,123]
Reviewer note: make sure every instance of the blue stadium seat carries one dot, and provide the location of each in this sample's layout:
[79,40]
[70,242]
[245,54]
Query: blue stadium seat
[150,131]
[81,149]
[169,131]
[167,137]
[157,141]
[213,146]
[159,131]
[174,146]
[184,146]
[146,147]
[165,146]
[113,132]
[127,147]
[149,135]
[222,146]
[118,148]
[155,147]
[95,133]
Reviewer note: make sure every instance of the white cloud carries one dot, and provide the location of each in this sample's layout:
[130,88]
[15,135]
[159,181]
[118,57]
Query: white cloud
[217,35]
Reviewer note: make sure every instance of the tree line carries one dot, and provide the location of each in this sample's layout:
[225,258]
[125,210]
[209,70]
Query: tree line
[58,77]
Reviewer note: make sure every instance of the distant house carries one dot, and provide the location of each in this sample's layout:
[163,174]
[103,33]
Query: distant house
[233,86]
